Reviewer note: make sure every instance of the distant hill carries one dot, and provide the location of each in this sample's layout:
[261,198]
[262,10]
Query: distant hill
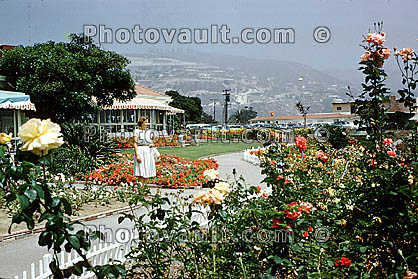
[266,85]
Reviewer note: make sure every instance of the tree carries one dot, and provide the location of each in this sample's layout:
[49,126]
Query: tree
[68,80]
[242,116]
[207,118]
[303,110]
[191,105]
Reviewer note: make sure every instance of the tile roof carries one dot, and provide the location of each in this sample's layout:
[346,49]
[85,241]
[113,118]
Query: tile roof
[308,116]
[141,90]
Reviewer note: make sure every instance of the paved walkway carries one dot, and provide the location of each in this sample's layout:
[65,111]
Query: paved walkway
[18,255]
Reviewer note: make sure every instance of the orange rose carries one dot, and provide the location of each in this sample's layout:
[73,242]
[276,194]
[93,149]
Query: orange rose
[365,56]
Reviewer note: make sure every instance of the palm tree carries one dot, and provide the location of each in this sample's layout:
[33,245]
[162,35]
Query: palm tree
[302,110]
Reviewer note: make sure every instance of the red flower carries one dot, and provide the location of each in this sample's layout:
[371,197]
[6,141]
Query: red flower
[392,153]
[306,207]
[292,215]
[371,162]
[310,229]
[301,143]
[387,141]
[305,234]
[322,156]
[343,262]
[276,223]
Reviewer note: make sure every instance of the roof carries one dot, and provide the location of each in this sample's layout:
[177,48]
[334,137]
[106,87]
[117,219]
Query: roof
[308,116]
[6,47]
[143,100]
[10,96]
[141,90]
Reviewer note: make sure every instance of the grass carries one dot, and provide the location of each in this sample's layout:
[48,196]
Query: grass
[195,152]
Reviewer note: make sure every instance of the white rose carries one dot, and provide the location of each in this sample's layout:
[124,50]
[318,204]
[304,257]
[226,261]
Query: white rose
[222,187]
[40,136]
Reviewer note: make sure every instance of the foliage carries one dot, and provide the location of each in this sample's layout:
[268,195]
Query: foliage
[24,182]
[191,105]
[84,150]
[338,137]
[242,116]
[63,78]
[303,110]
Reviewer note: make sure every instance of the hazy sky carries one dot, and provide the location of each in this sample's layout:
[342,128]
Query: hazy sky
[27,22]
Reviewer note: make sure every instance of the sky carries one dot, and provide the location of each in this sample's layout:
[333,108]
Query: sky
[29,22]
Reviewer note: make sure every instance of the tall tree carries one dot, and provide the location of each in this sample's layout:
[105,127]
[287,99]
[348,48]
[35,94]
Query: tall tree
[303,110]
[191,105]
[68,80]
[242,116]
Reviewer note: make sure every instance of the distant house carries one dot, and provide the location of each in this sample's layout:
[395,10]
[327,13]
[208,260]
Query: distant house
[342,111]
[392,106]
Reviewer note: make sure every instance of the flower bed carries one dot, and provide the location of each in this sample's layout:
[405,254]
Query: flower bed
[172,172]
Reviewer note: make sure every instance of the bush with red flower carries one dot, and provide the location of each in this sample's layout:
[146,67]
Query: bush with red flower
[172,172]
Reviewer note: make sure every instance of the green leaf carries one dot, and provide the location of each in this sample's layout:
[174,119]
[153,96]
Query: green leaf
[31,194]
[55,202]
[23,201]
[67,207]
[39,190]
[74,241]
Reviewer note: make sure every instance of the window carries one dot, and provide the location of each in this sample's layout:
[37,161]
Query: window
[338,108]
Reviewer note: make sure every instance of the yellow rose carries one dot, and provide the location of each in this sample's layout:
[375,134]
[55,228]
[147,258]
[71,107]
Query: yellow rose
[40,136]
[5,138]
[222,187]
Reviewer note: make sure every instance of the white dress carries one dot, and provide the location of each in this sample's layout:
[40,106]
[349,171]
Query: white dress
[146,168]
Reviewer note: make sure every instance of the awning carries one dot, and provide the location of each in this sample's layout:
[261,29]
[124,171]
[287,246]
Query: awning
[25,105]
[133,104]
[12,97]
[145,103]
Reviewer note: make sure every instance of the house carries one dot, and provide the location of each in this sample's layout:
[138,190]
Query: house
[342,111]
[120,117]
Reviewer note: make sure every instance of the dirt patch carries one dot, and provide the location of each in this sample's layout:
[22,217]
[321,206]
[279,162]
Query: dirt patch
[86,210]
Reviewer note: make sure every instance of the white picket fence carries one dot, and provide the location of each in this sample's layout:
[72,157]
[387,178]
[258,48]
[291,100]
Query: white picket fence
[102,253]
[251,158]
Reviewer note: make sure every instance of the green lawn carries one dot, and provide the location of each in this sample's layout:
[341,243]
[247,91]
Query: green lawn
[194,152]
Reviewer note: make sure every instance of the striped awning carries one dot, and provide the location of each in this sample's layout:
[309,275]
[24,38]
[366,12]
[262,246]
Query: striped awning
[148,104]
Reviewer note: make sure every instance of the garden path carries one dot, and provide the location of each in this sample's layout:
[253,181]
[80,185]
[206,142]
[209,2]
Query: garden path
[17,256]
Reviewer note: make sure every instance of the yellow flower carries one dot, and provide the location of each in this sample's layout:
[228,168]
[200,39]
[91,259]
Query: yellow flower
[410,179]
[377,219]
[5,138]
[40,136]
[215,196]
[331,192]
[222,187]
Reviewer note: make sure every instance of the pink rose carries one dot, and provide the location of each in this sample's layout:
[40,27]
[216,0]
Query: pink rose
[384,53]
[376,38]
[365,56]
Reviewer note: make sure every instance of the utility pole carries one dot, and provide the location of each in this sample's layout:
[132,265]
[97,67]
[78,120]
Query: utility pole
[227,100]
[214,113]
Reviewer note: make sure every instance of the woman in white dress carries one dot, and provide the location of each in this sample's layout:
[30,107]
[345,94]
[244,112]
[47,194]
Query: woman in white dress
[144,161]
